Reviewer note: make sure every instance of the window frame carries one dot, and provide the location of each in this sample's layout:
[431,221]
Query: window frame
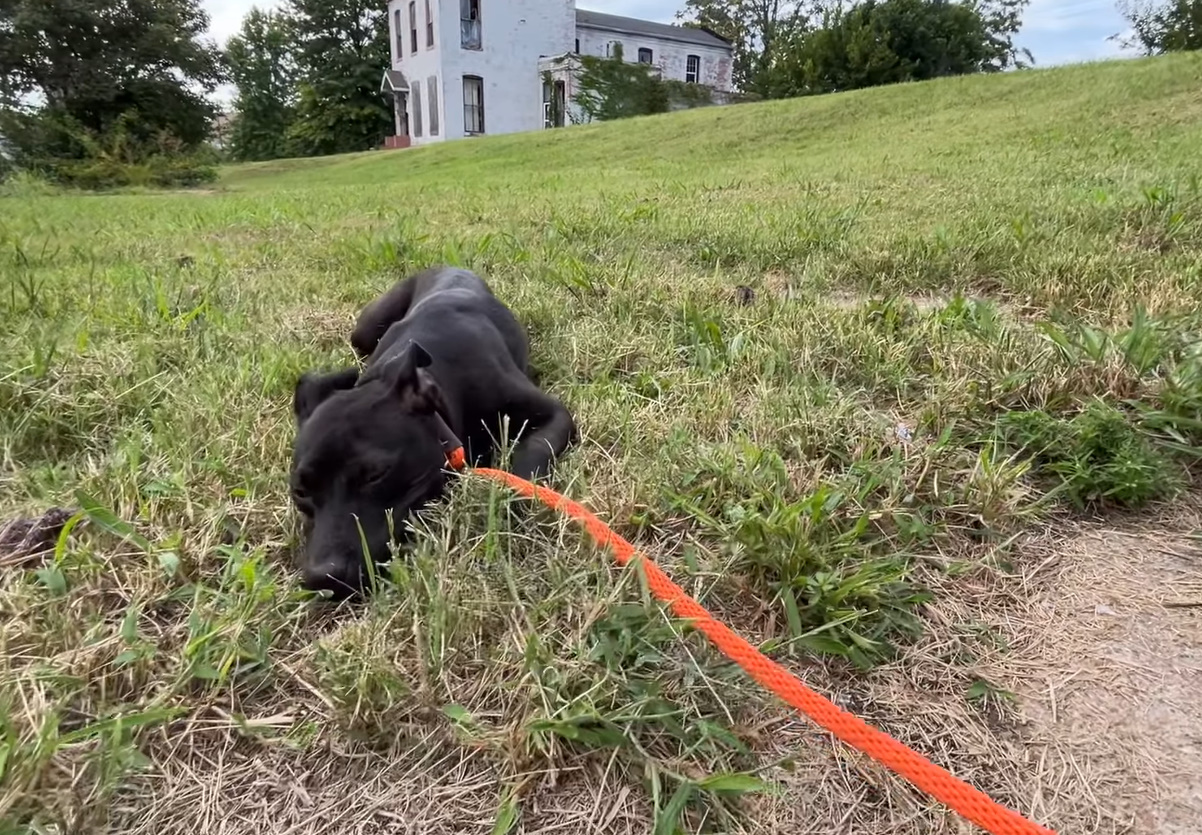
[412,27]
[473,22]
[693,61]
[429,26]
[647,51]
[473,107]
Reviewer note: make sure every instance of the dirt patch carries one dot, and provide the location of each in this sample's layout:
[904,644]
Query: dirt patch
[1110,680]
[1091,654]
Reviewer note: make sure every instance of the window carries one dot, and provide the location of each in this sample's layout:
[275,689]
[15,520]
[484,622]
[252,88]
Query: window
[469,24]
[432,86]
[578,46]
[413,26]
[554,104]
[416,100]
[692,69]
[399,34]
[645,56]
[429,25]
[473,104]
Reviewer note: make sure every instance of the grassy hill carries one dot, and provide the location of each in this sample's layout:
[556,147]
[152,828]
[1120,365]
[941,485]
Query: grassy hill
[837,362]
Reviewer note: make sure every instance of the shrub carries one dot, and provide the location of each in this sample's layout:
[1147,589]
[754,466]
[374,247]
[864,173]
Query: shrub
[157,172]
[1097,456]
[611,88]
[67,154]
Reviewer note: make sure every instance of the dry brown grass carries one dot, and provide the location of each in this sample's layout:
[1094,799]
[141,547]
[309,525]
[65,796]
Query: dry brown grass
[1090,640]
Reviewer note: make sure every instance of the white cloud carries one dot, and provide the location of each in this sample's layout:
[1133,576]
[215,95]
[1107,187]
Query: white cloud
[225,16]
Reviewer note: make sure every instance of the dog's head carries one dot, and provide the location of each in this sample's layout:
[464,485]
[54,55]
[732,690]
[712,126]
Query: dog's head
[366,447]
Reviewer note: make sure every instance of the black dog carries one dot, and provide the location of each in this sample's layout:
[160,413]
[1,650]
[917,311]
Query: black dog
[445,360]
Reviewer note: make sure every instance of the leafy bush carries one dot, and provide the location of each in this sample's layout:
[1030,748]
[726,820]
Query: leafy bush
[18,183]
[157,172]
[611,88]
[1097,455]
[67,154]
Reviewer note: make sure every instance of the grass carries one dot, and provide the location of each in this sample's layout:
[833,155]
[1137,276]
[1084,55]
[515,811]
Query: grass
[829,357]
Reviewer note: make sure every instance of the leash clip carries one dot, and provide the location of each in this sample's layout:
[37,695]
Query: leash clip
[451,445]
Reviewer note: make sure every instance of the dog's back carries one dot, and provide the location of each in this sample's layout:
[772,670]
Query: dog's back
[449,295]
[453,313]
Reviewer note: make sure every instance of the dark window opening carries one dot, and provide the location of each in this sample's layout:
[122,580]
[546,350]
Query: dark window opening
[555,102]
[413,26]
[645,56]
[473,104]
[469,24]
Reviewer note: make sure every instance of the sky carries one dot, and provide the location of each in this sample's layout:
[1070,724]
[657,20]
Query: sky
[1056,31]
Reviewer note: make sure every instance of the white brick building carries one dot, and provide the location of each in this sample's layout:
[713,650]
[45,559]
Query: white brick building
[471,67]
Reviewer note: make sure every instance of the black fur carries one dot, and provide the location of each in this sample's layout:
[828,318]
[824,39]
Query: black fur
[438,344]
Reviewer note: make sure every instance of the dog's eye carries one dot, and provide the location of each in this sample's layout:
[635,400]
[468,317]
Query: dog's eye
[374,476]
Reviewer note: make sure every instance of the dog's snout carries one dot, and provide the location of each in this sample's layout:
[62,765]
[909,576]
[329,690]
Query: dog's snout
[342,578]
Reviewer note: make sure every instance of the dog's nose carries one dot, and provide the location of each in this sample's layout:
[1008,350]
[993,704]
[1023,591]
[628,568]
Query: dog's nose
[339,577]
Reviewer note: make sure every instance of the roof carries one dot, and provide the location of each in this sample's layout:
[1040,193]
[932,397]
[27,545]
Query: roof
[394,81]
[634,26]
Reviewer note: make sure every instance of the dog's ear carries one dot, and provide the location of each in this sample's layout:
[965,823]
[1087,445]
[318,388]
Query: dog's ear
[414,358]
[313,389]
[416,386]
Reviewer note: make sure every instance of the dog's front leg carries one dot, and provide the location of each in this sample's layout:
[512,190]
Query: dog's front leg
[546,431]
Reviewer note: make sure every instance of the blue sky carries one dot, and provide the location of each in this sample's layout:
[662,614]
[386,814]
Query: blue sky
[1056,31]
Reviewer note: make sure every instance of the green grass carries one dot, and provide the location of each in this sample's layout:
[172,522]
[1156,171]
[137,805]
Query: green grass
[975,309]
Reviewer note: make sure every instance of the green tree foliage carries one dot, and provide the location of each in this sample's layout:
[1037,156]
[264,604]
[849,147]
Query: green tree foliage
[757,29]
[890,41]
[76,68]
[341,52]
[1003,19]
[611,88]
[1160,28]
[262,69]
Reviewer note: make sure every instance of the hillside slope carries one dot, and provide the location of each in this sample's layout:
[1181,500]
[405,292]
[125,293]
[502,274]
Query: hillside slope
[904,383]
[1111,110]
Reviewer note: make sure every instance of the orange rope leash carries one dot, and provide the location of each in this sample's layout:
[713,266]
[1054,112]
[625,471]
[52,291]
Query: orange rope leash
[935,781]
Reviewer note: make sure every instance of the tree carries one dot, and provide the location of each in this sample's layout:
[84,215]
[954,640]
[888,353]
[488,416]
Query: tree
[1003,19]
[341,53]
[263,70]
[887,42]
[756,29]
[1157,29]
[74,65]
